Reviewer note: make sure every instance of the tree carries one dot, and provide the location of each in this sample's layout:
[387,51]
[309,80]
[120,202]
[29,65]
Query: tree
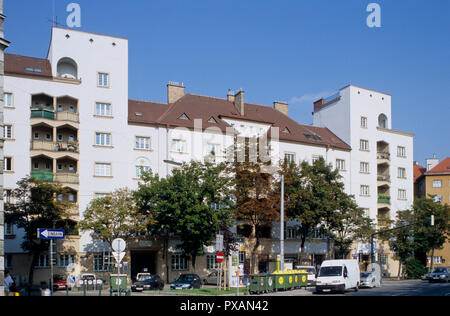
[311,192]
[36,206]
[412,243]
[255,190]
[114,216]
[192,204]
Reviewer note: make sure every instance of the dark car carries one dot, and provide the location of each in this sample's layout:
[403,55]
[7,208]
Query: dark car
[187,282]
[147,283]
[439,275]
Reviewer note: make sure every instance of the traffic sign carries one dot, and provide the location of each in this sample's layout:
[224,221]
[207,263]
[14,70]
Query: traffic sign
[119,245]
[220,256]
[54,234]
[118,256]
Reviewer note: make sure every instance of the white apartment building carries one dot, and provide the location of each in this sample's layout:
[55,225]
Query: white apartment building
[68,120]
[381,160]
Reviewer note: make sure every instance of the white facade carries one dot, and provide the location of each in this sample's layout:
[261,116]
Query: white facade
[92,69]
[353,115]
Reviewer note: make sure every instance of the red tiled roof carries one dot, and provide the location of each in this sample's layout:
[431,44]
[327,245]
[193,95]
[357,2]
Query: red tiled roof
[16,64]
[205,108]
[419,171]
[442,168]
[145,112]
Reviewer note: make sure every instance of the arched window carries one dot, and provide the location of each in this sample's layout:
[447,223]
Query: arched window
[67,68]
[383,121]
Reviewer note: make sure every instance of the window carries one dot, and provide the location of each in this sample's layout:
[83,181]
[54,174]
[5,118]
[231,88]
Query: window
[364,122]
[7,196]
[179,146]
[103,262]
[36,136]
[103,170]
[289,158]
[140,170]
[340,164]
[315,158]
[103,80]
[364,145]
[9,229]
[437,260]
[36,165]
[143,143]
[366,212]
[60,138]
[382,121]
[402,173]
[437,184]
[8,261]
[43,262]
[211,262]
[8,100]
[48,137]
[8,132]
[60,167]
[179,263]
[291,233]
[383,259]
[103,109]
[365,190]
[242,256]
[103,139]
[401,194]
[213,149]
[48,165]
[401,152]
[438,199]
[66,260]
[7,164]
[364,167]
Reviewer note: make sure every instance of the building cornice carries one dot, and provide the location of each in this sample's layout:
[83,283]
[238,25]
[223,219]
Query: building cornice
[395,132]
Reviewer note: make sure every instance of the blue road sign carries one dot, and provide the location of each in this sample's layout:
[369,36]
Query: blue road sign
[45,233]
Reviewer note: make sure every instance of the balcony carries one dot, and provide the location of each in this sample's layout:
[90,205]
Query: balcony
[70,147]
[43,113]
[71,178]
[68,116]
[43,176]
[384,199]
[384,178]
[383,156]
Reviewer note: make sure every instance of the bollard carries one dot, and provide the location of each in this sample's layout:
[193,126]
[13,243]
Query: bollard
[67,291]
[84,289]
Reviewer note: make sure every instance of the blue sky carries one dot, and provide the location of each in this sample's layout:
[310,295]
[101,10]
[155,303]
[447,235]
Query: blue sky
[287,50]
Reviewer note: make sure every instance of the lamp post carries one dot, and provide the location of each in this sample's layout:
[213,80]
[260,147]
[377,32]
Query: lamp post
[282,225]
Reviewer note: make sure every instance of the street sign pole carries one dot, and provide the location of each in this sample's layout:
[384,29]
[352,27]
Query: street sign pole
[51,266]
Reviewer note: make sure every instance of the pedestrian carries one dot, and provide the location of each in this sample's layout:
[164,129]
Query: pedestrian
[8,282]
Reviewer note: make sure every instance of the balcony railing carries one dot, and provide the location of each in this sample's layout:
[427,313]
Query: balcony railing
[56,147]
[384,178]
[72,178]
[43,176]
[384,199]
[43,113]
[68,116]
[384,156]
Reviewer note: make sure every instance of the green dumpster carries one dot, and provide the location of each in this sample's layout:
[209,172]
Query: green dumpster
[269,283]
[280,282]
[256,284]
[118,282]
[303,280]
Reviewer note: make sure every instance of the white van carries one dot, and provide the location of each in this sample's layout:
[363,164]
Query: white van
[338,275]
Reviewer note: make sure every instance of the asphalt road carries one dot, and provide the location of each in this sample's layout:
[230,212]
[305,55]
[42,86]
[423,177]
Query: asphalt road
[402,288]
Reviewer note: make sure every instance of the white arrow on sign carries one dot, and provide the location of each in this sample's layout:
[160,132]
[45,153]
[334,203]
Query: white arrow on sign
[118,256]
[45,233]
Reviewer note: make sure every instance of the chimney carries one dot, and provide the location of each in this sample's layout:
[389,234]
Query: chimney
[175,91]
[319,104]
[281,107]
[239,102]
[230,96]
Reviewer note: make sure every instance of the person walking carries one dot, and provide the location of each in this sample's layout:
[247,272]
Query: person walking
[8,282]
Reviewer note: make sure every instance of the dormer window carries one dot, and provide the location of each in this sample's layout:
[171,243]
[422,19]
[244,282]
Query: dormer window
[313,137]
[138,114]
[286,130]
[184,117]
[212,120]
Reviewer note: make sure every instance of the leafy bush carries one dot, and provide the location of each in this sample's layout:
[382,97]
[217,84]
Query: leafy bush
[415,269]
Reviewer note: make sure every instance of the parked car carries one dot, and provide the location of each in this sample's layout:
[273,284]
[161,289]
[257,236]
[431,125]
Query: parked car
[187,282]
[338,275]
[371,278]
[439,275]
[147,282]
[311,273]
[60,283]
